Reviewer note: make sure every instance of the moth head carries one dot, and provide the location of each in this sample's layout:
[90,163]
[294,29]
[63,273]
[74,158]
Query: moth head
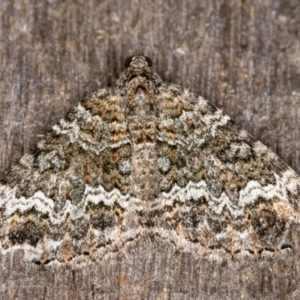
[138,68]
[138,60]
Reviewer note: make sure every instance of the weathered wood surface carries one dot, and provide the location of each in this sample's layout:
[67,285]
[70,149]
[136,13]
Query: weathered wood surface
[243,56]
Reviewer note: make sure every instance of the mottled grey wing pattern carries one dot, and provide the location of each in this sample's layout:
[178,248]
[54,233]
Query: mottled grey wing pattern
[148,160]
[221,191]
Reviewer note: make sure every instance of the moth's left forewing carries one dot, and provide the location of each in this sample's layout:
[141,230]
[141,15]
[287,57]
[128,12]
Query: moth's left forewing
[219,188]
[72,197]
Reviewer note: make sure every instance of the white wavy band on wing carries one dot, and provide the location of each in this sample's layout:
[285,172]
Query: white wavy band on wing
[45,205]
[247,196]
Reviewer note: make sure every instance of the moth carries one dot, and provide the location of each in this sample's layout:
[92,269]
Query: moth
[148,160]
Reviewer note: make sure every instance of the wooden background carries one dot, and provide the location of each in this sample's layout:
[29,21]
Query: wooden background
[241,55]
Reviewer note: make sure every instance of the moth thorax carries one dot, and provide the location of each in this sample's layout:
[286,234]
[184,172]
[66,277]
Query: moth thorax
[141,102]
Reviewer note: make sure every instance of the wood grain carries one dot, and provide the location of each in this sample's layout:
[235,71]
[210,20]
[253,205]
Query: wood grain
[242,55]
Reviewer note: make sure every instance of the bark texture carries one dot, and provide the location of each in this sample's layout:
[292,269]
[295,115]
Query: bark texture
[243,56]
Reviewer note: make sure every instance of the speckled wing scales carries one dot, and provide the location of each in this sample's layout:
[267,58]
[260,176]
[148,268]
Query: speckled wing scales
[149,160]
[72,197]
[221,191]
